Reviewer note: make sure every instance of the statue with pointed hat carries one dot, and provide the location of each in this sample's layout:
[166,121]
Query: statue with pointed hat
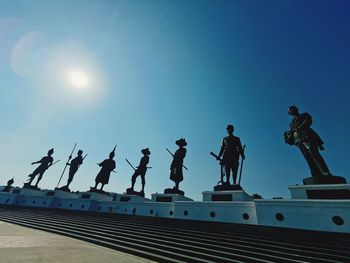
[107,166]
[45,163]
[140,171]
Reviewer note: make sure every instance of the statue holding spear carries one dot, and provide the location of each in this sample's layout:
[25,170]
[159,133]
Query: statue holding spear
[74,166]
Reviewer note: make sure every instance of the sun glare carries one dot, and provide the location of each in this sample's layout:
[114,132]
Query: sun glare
[78,79]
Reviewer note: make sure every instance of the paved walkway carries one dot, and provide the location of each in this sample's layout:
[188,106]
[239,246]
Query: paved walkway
[20,244]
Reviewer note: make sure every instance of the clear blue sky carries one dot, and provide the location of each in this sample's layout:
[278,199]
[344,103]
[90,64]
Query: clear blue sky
[154,71]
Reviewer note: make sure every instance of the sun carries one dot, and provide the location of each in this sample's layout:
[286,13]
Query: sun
[78,79]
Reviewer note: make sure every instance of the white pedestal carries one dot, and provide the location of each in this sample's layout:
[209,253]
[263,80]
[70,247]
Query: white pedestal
[169,198]
[307,191]
[226,196]
[94,196]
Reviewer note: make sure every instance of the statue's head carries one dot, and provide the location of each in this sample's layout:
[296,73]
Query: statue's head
[181,142]
[146,151]
[230,128]
[50,152]
[80,152]
[293,110]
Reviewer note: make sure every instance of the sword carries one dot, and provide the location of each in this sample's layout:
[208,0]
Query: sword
[240,170]
[130,164]
[222,173]
[173,156]
[217,157]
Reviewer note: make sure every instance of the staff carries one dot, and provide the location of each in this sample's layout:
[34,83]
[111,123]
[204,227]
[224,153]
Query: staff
[70,157]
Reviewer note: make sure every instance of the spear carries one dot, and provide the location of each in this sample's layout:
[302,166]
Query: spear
[173,156]
[70,157]
[55,163]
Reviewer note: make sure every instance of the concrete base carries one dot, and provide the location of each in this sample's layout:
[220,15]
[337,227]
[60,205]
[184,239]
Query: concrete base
[320,215]
[95,196]
[226,196]
[321,191]
[169,198]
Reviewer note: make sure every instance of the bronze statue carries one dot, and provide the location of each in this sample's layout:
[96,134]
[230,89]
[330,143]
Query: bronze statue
[107,166]
[74,166]
[139,171]
[176,173]
[308,141]
[231,149]
[45,163]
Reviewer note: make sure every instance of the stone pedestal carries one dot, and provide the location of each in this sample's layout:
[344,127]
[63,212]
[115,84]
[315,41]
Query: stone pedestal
[324,180]
[130,191]
[227,187]
[27,191]
[132,198]
[226,196]
[174,191]
[320,191]
[61,194]
[95,196]
[169,198]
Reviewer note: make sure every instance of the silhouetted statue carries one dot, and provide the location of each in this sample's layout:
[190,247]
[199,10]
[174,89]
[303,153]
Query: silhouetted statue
[107,166]
[45,163]
[176,173]
[231,149]
[308,141]
[7,188]
[140,171]
[74,166]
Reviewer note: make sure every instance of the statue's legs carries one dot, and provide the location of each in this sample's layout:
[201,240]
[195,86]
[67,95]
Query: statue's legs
[317,165]
[231,166]
[70,177]
[133,180]
[143,182]
[320,162]
[32,176]
[39,178]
